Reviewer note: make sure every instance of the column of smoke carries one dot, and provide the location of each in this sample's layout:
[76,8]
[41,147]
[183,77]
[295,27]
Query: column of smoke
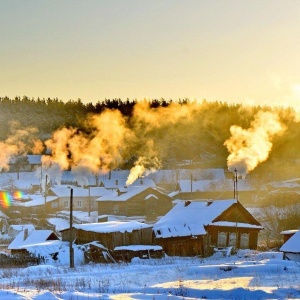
[147,119]
[19,142]
[110,137]
[249,147]
[84,153]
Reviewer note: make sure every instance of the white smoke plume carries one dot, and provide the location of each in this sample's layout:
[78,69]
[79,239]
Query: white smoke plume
[19,142]
[109,137]
[50,169]
[143,167]
[249,147]
[146,119]
[99,150]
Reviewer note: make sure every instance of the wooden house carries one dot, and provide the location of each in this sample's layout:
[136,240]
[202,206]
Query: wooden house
[34,205]
[83,198]
[110,234]
[291,248]
[196,228]
[135,201]
[287,234]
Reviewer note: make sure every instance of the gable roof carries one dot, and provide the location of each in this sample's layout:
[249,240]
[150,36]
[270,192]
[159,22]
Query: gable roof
[65,191]
[126,193]
[292,244]
[35,159]
[121,183]
[33,200]
[111,226]
[215,185]
[190,218]
[34,237]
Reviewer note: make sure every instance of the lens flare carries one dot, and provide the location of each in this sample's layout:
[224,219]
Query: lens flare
[5,199]
[18,195]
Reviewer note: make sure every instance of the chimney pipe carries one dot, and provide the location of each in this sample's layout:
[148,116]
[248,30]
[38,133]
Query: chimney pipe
[25,234]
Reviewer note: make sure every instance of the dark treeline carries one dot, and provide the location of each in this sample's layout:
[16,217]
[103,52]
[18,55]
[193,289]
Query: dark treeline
[201,138]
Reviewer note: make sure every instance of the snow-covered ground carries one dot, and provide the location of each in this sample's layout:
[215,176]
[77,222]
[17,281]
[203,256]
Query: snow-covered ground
[247,275]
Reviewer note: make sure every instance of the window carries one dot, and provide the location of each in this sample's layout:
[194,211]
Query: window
[79,203]
[245,241]
[66,204]
[222,236]
[54,205]
[116,208]
[232,239]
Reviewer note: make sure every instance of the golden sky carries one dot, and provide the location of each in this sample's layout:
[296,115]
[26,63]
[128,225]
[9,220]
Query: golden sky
[227,50]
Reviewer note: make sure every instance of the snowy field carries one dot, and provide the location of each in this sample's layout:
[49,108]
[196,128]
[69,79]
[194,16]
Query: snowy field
[247,275]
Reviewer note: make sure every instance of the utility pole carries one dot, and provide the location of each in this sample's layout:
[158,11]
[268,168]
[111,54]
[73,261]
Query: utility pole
[45,193]
[71,230]
[236,197]
[89,201]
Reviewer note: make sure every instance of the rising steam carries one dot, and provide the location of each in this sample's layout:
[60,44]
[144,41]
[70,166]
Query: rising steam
[110,136]
[249,147]
[19,142]
[84,153]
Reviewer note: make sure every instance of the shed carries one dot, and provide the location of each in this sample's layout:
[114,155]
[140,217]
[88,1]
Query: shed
[26,239]
[110,234]
[291,248]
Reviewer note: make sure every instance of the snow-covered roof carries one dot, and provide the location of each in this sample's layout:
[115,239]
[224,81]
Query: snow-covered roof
[289,184]
[291,231]
[26,180]
[236,224]
[34,159]
[118,174]
[65,191]
[190,218]
[292,244]
[186,220]
[111,226]
[20,227]
[138,248]
[216,185]
[120,183]
[34,200]
[126,193]
[34,237]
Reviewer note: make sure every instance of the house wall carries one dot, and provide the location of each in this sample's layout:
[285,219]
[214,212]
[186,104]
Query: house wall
[86,202]
[138,206]
[214,232]
[291,256]
[183,246]
[111,240]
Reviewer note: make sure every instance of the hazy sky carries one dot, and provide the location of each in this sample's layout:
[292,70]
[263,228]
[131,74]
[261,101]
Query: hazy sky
[243,51]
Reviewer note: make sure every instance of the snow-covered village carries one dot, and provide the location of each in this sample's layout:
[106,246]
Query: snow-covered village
[85,236]
[149,150]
